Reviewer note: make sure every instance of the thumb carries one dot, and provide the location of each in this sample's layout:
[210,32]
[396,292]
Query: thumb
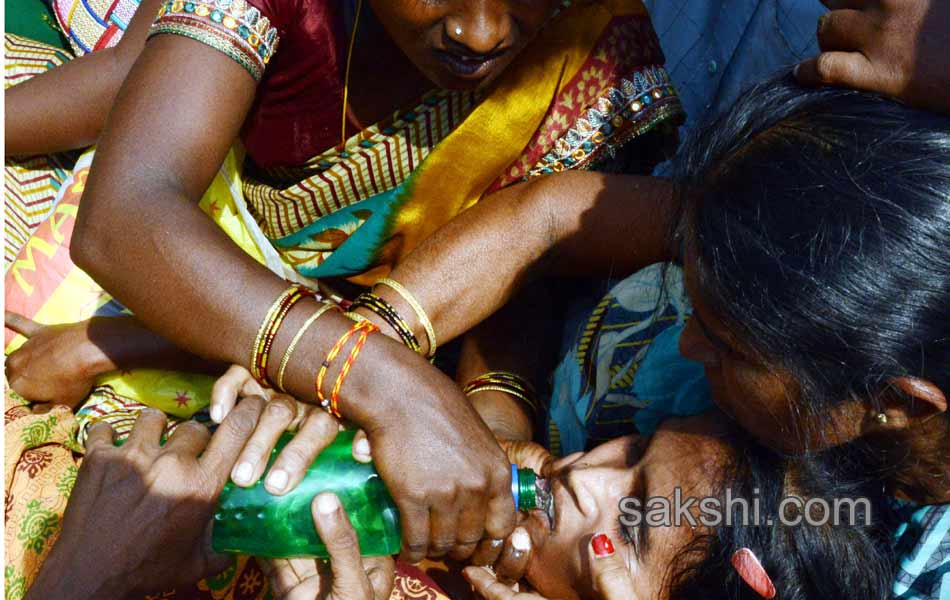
[361,448]
[346,565]
[20,324]
[609,572]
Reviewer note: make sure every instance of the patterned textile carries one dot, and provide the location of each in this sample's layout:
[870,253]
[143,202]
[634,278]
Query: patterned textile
[922,542]
[230,26]
[93,25]
[30,183]
[623,371]
[361,207]
[42,459]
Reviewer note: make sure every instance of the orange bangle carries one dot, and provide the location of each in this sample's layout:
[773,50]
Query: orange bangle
[360,342]
[331,356]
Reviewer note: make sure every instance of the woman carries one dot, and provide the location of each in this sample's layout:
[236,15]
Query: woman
[332,184]
[762,552]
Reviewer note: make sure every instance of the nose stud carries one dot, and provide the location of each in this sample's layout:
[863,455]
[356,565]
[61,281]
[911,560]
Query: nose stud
[458,31]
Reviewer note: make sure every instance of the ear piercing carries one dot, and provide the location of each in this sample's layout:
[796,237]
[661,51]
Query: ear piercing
[882,418]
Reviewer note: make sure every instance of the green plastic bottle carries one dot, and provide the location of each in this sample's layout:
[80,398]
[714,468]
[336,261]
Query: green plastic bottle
[252,521]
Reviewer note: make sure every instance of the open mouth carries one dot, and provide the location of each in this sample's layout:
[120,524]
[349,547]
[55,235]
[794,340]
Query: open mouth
[468,67]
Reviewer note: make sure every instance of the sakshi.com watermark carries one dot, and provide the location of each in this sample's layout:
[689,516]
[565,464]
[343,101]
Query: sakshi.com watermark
[730,510]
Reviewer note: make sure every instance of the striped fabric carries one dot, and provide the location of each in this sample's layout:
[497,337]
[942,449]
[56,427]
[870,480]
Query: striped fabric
[376,160]
[30,183]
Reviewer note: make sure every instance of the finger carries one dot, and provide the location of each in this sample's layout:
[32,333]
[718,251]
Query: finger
[100,434]
[513,561]
[846,30]
[486,585]
[316,433]
[501,513]
[334,529]
[471,529]
[846,69]
[362,451]
[148,429]
[277,417]
[608,570]
[236,381]
[415,531]
[487,552]
[381,571]
[443,524]
[20,324]
[229,438]
[189,439]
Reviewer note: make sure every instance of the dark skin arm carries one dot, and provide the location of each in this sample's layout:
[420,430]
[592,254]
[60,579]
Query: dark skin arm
[35,109]
[140,208]
[60,363]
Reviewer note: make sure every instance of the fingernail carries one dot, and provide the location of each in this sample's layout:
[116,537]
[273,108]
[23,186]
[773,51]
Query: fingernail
[277,480]
[216,414]
[242,474]
[520,540]
[602,545]
[362,446]
[327,504]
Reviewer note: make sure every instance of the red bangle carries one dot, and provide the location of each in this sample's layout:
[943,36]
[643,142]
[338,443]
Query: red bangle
[360,342]
[331,356]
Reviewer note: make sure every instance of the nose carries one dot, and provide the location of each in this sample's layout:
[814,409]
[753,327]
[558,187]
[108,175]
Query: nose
[694,345]
[480,28]
[600,478]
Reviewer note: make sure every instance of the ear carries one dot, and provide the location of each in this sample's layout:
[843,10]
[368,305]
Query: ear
[918,400]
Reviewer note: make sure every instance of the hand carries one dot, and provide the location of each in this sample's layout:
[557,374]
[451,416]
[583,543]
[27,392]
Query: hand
[139,518]
[315,430]
[348,577]
[56,362]
[895,47]
[608,571]
[444,469]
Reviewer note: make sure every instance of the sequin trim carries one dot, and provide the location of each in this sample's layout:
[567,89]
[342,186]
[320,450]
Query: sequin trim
[230,26]
[637,103]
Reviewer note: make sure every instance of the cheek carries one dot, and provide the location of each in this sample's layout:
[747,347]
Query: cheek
[759,402]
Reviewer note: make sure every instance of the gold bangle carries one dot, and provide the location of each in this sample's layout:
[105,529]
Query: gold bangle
[420,312]
[297,337]
[269,327]
[505,390]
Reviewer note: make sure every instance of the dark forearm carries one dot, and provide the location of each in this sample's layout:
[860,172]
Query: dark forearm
[585,223]
[35,119]
[122,343]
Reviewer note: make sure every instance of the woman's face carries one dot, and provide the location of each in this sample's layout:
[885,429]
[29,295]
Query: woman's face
[760,397]
[588,487]
[462,44]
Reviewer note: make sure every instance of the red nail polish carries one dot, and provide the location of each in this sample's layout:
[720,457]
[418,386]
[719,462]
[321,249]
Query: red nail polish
[602,545]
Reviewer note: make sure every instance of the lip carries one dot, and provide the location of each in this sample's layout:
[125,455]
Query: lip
[467,68]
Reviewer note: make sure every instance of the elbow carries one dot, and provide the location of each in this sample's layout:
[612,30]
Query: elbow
[87,248]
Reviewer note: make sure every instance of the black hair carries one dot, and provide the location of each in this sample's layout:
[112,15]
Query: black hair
[847,557]
[819,220]
[820,223]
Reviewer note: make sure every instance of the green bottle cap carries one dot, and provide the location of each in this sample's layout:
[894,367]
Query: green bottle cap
[527,496]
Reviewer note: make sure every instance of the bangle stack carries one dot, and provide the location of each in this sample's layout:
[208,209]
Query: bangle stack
[416,307]
[362,329]
[297,337]
[387,312]
[260,353]
[509,383]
